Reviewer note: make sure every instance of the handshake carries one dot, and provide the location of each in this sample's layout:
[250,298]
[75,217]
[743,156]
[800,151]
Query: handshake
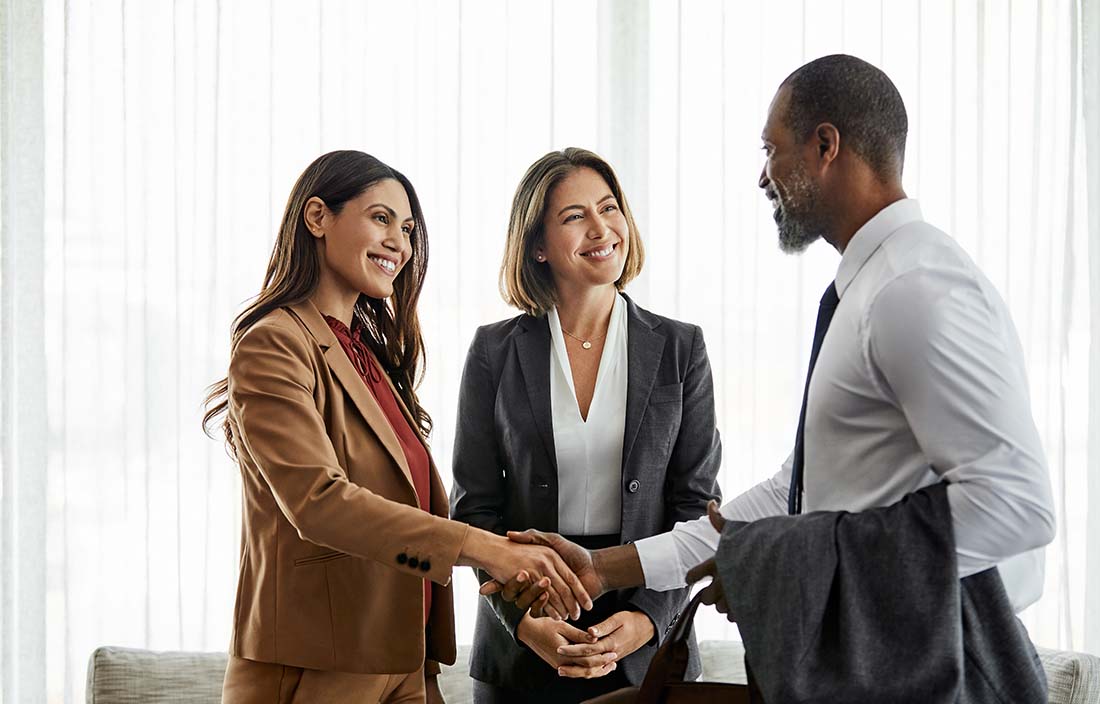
[547,575]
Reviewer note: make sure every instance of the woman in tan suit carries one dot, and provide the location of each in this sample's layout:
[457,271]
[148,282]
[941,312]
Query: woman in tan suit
[346,551]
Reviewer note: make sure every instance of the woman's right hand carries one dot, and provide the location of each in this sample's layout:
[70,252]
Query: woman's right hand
[544,636]
[504,559]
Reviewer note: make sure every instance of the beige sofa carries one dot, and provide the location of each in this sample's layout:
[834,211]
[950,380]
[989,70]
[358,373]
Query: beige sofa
[129,676]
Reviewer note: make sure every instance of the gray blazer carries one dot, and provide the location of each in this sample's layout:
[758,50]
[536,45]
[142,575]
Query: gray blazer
[505,472]
[868,607]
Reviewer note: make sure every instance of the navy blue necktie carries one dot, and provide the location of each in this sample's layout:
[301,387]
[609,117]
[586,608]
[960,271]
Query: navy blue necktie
[825,310]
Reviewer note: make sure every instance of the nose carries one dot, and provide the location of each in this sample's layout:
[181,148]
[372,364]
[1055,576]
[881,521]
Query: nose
[764,180]
[395,240]
[599,229]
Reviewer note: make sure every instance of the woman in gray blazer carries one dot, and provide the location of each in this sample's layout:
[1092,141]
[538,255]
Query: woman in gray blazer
[587,416]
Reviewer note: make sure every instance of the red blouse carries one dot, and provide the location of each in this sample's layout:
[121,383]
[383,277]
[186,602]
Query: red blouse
[416,456]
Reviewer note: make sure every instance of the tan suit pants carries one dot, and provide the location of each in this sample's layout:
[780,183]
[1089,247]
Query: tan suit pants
[251,682]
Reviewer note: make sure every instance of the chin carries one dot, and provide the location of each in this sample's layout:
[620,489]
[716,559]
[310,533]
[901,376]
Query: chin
[373,289]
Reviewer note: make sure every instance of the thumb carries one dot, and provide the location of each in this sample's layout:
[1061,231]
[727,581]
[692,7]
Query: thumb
[527,537]
[715,516]
[490,587]
[703,569]
[573,634]
[606,628]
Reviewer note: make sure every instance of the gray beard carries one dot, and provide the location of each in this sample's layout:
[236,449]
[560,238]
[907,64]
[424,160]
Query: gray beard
[798,224]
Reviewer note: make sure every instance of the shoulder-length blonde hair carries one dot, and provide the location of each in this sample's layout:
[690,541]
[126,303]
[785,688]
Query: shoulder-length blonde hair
[526,283]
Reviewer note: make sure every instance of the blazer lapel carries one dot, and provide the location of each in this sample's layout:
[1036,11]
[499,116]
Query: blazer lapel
[645,348]
[533,348]
[353,384]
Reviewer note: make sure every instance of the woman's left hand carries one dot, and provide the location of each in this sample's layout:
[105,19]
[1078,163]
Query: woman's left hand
[431,687]
[622,633]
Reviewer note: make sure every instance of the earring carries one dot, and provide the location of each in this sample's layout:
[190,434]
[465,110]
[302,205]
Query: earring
[541,258]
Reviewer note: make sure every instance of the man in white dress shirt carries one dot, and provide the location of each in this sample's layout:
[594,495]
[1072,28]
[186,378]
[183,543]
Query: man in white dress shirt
[920,377]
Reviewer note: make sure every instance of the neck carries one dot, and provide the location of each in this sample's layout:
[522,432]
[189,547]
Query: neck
[334,299]
[868,203]
[586,312]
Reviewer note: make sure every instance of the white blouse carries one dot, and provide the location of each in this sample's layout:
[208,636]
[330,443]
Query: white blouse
[590,453]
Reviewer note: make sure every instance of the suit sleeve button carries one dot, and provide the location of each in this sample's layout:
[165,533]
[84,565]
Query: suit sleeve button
[402,558]
[633,486]
[425,566]
[413,562]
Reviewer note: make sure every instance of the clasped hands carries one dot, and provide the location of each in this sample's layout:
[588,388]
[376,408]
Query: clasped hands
[593,653]
[571,651]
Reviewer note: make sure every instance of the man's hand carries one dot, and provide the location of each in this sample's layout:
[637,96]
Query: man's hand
[504,559]
[713,593]
[546,638]
[622,633]
[431,688]
[529,593]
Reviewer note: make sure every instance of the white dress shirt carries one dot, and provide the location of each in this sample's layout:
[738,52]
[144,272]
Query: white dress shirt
[920,379]
[590,453]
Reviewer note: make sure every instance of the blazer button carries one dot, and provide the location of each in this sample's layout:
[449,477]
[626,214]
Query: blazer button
[633,486]
[413,562]
[402,558]
[425,566]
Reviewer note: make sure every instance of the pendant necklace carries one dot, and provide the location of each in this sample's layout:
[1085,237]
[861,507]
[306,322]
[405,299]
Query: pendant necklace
[586,344]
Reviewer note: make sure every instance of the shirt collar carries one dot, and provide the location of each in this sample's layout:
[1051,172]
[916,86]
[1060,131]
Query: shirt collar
[869,237]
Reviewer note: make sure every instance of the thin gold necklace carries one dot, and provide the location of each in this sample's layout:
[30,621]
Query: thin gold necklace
[587,344]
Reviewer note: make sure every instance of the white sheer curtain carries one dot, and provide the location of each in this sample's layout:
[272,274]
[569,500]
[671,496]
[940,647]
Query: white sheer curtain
[168,135]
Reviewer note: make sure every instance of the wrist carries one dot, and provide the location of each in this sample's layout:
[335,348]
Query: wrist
[645,625]
[618,568]
[478,548]
[523,629]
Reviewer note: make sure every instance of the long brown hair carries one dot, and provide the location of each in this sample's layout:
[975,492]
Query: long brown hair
[391,327]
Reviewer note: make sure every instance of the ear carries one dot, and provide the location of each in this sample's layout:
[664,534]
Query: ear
[314,216]
[827,141]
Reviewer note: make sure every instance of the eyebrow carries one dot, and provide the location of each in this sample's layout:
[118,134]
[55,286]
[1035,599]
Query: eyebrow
[390,210]
[581,207]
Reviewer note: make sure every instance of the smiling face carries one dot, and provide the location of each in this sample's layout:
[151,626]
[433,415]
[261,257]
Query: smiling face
[365,246]
[585,235]
[787,182]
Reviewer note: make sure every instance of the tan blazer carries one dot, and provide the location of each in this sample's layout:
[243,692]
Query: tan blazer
[334,547]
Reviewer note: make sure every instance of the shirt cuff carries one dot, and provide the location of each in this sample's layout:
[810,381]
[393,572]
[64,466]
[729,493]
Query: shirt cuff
[661,562]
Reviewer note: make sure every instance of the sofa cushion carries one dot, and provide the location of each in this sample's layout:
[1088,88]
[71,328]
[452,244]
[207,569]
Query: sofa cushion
[723,661]
[1072,678]
[455,682]
[129,676]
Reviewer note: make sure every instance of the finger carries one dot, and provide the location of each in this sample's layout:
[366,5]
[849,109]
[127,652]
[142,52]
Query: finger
[587,673]
[721,605]
[703,569]
[537,609]
[549,611]
[573,634]
[514,586]
[564,589]
[528,537]
[531,594]
[609,626]
[556,602]
[594,662]
[490,587]
[726,610]
[709,595]
[578,596]
[584,650]
[715,516]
